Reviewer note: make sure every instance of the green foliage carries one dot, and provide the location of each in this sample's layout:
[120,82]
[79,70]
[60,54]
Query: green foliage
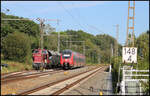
[17,47]
[142,43]
[104,42]
[145,86]
[115,62]
[97,48]
[24,26]
[14,66]
[50,42]
[20,44]
[34,42]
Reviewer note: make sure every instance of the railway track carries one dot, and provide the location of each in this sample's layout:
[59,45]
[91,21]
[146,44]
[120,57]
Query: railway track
[11,74]
[26,75]
[51,88]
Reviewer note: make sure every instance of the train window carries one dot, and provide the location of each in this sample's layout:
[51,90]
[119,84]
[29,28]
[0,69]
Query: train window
[66,54]
[36,51]
[44,52]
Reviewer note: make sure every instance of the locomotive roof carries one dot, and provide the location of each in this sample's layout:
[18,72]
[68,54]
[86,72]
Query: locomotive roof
[53,52]
[68,50]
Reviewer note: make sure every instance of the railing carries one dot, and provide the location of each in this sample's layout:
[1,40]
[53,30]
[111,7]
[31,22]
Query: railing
[128,82]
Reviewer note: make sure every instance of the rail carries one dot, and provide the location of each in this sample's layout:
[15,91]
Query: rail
[30,91]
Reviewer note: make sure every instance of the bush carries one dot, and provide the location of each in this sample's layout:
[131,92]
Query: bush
[17,47]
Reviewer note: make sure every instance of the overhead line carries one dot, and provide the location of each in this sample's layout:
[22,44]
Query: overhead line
[89,26]
[70,14]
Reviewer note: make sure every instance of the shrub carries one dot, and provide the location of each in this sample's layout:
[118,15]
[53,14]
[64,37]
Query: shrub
[17,47]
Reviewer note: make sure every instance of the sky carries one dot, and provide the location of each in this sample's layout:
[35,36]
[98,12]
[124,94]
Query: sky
[94,17]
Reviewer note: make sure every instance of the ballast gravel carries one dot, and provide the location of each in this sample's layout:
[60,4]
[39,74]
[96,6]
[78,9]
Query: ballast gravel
[98,84]
[17,87]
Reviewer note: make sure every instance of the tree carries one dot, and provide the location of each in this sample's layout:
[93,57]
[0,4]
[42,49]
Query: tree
[142,43]
[48,29]
[24,26]
[17,47]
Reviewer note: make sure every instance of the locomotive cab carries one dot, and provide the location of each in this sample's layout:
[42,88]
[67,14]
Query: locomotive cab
[66,59]
[40,56]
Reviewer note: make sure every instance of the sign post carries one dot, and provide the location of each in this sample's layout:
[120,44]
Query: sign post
[129,55]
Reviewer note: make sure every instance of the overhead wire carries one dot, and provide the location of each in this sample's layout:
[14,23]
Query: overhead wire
[85,23]
[78,13]
[73,17]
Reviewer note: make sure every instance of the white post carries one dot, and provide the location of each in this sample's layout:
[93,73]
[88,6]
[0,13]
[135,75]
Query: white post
[131,72]
[140,89]
[110,68]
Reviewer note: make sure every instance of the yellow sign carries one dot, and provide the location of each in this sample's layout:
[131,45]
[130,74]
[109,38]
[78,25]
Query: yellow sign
[66,72]
[100,93]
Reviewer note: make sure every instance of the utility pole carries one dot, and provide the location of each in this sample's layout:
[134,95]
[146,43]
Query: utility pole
[131,8]
[79,41]
[42,34]
[58,38]
[111,50]
[41,25]
[84,48]
[116,43]
[117,34]
[58,43]
[70,43]
[41,30]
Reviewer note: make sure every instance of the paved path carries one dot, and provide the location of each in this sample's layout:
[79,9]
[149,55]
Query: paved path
[101,82]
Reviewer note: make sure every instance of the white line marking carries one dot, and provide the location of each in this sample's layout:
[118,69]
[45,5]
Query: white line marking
[44,75]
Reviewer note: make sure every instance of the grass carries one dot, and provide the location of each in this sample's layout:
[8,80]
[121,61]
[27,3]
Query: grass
[14,66]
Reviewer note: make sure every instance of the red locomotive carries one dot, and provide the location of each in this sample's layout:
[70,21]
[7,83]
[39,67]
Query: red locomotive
[70,59]
[48,58]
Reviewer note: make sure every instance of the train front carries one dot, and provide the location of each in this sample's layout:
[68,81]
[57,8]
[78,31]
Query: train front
[66,60]
[37,58]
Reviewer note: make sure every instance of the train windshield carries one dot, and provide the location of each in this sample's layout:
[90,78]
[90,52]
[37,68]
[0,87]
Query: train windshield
[36,51]
[39,51]
[66,54]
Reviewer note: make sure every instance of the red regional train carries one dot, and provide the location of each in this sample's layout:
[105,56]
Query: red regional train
[70,59]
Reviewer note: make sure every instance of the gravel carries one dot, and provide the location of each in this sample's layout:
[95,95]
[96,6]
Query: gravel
[93,86]
[17,87]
